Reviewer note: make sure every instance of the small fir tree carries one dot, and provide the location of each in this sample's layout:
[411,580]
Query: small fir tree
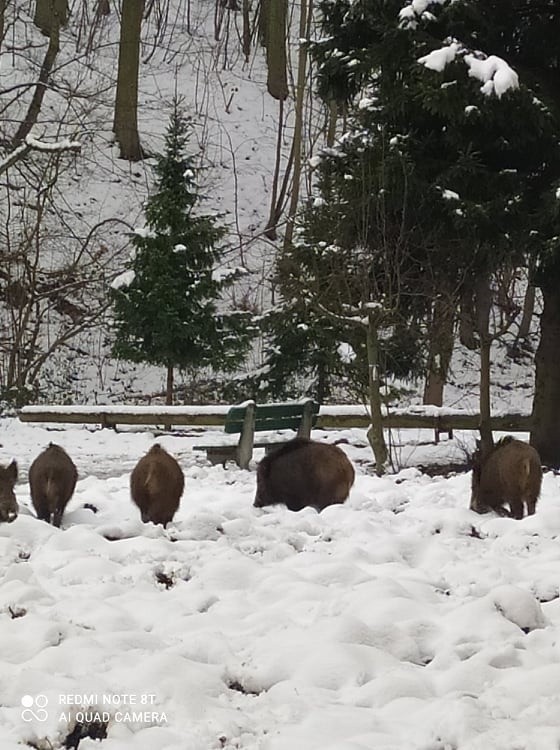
[165,306]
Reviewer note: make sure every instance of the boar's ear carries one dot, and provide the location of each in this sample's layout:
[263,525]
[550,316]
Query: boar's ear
[12,471]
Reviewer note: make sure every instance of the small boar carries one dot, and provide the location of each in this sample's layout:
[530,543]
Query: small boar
[52,480]
[509,473]
[8,503]
[303,472]
[156,485]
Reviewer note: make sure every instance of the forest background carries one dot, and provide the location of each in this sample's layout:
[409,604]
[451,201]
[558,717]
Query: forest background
[387,174]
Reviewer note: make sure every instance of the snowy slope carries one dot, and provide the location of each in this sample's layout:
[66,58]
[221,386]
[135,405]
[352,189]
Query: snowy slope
[399,621]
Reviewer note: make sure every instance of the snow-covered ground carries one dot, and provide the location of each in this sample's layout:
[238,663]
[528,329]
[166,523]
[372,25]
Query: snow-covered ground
[399,621]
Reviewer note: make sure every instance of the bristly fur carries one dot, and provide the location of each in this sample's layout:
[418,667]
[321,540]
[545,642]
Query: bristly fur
[156,485]
[304,472]
[8,502]
[52,480]
[509,474]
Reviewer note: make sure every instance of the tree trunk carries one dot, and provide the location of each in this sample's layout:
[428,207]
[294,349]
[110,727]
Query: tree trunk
[279,193]
[466,320]
[125,122]
[545,433]
[375,432]
[322,383]
[169,386]
[276,62]
[440,349]
[483,301]
[275,205]
[3,4]
[527,317]
[332,120]
[306,11]
[167,425]
[41,87]
[50,15]
[103,8]
[246,30]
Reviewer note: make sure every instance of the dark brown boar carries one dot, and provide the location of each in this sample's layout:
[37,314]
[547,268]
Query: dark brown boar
[303,472]
[8,503]
[509,473]
[52,480]
[156,485]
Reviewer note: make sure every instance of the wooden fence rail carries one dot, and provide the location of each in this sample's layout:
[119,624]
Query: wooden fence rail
[330,416]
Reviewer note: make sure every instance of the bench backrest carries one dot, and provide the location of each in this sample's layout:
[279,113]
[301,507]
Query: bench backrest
[281,416]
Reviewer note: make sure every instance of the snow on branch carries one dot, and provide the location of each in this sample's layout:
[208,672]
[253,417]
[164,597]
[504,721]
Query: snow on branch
[438,59]
[496,75]
[34,144]
[411,13]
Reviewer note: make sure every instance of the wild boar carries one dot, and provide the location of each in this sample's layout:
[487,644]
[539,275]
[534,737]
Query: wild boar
[510,473]
[52,480]
[304,472]
[156,485]
[8,503]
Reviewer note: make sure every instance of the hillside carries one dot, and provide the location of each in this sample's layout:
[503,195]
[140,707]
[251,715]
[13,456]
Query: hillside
[99,197]
[234,132]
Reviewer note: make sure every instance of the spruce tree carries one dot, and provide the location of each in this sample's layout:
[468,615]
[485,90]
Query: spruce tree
[439,176]
[166,303]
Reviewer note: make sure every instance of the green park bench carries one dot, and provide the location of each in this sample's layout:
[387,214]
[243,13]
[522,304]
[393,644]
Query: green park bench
[248,418]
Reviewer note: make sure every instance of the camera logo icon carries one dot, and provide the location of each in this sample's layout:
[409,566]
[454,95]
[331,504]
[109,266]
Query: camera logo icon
[34,707]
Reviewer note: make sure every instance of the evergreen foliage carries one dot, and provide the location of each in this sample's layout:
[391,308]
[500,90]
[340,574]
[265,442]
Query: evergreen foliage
[435,182]
[167,315]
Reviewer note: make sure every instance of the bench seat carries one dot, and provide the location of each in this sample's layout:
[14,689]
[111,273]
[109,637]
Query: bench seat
[249,417]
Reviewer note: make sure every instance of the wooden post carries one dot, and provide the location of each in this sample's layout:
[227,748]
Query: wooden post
[306,423]
[245,446]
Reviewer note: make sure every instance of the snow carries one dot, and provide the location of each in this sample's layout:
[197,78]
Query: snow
[345,352]
[399,620]
[496,75]
[367,102]
[438,59]
[123,279]
[450,195]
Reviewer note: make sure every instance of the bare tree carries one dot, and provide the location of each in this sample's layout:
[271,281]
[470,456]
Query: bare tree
[50,15]
[125,122]
[306,15]
[52,286]
[441,327]
[495,310]
[55,22]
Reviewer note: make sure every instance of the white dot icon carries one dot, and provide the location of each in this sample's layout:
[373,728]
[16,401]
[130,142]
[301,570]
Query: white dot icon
[27,701]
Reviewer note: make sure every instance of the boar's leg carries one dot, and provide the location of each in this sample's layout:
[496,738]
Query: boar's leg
[531,505]
[501,511]
[42,510]
[57,517]
[482,508]
[516,509]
